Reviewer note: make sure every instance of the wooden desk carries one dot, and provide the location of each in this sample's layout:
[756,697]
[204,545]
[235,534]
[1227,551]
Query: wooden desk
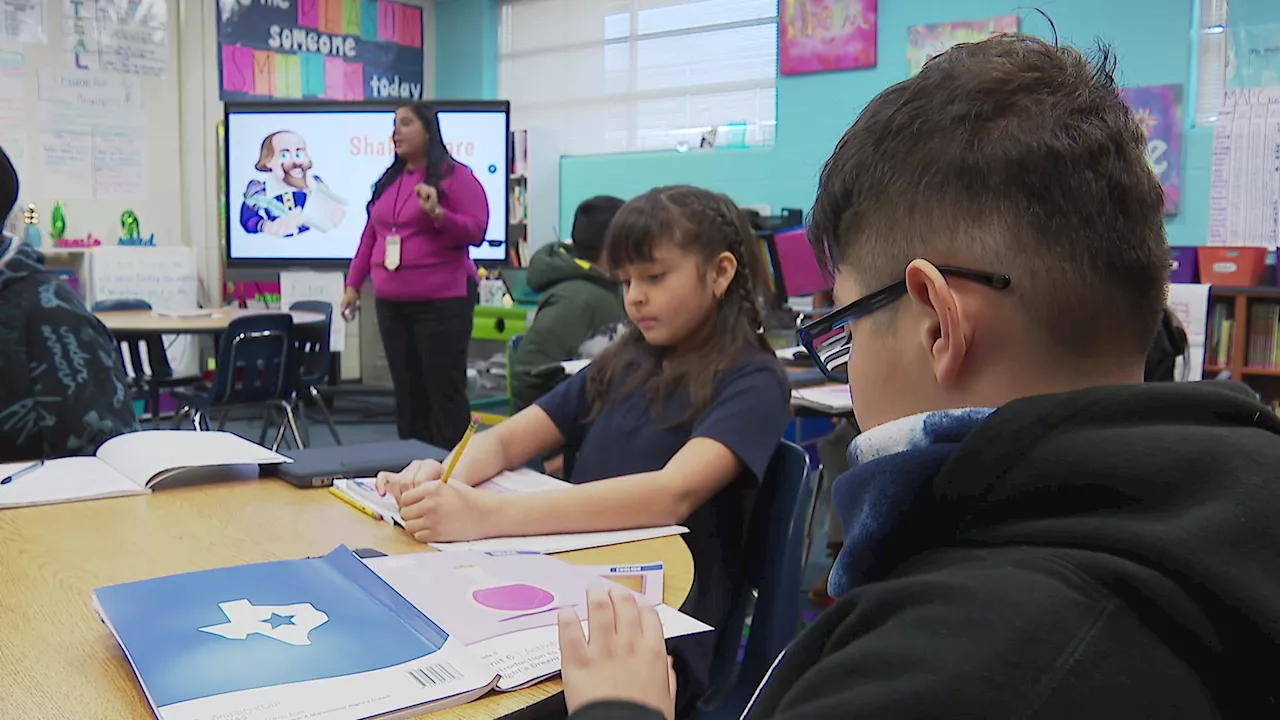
[145,321]
[59,661]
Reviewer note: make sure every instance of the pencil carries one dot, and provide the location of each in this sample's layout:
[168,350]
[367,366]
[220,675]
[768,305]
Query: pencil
[352,502]
[462,446]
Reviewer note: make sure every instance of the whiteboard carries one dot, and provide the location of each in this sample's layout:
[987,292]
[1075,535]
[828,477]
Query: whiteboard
[163,276]
[97,130]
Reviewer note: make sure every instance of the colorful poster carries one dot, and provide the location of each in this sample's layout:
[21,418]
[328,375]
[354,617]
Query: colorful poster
[345,50]
[926,41]
[822,35]
[1158,108]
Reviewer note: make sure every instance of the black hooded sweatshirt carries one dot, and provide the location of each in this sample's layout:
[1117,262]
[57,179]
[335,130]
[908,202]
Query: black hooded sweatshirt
[1107,553]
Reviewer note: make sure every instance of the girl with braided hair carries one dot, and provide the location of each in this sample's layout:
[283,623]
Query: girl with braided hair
[674,423]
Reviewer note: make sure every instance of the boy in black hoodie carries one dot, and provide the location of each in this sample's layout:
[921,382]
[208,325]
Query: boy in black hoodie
[62,380]
[1030,532]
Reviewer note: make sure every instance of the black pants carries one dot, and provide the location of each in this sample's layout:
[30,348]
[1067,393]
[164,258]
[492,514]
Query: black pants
[426,347]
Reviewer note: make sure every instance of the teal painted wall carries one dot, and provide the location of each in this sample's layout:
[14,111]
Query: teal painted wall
[1151,37]
[467,49]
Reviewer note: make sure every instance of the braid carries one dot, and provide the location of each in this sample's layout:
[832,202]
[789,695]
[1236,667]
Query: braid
[733,223]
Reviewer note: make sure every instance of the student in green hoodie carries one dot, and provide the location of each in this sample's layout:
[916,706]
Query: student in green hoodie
[578,298]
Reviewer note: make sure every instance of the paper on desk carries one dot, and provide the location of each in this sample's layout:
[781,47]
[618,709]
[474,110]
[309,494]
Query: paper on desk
[833,397]
[527,657]
[573,367]
[644,579]
[561,543]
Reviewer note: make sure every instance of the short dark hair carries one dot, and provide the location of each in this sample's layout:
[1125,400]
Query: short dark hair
[1011,155]
[590,222]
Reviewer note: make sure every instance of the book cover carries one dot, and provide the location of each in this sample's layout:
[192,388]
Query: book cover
[284,639]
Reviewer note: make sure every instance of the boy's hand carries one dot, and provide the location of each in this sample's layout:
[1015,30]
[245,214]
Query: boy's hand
[625,659]
[415,474]
[446,512]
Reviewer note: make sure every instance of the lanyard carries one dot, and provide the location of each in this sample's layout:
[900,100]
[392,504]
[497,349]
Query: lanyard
[395,206]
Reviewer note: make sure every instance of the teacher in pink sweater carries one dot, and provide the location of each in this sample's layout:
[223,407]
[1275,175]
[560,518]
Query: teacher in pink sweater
[426,210]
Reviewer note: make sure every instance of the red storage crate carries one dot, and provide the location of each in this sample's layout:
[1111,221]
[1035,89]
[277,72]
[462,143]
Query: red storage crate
[1239,266]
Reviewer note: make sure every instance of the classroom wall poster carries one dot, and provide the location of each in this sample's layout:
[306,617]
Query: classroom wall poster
[1158,109]
[129,37]
[927,41]
[1254,59]
[344,50]
[22,21]
[822,35]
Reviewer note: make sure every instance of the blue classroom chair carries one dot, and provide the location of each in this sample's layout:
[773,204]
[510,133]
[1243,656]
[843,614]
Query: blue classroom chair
[769,591]
[256,367]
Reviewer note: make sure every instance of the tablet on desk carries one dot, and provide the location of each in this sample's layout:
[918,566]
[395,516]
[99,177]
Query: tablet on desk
[319,467]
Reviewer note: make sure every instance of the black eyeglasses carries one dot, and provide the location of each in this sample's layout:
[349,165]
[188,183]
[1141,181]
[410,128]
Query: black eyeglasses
[829,344]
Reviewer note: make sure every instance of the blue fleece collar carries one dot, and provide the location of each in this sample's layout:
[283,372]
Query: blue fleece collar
[892,468]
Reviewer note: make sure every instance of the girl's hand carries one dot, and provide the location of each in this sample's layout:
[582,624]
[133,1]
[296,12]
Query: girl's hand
[428,198]
[416,473]
[625,659]
[447,512]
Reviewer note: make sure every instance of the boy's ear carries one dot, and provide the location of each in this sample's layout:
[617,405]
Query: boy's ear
[942,327]
[723,269]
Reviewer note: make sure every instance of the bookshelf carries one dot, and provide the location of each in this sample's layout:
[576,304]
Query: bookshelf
[1243,337]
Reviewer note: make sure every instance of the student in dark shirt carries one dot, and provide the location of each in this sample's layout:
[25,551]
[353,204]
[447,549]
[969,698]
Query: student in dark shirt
[674,423]
[62,380]
[1031,531]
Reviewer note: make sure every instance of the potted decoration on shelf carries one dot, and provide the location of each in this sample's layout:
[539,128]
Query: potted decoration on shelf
[132,233]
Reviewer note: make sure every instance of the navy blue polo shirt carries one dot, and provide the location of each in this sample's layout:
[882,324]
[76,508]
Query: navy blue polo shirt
[748,414]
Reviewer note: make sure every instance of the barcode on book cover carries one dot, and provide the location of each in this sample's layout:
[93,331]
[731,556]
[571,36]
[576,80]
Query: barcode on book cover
[435,674]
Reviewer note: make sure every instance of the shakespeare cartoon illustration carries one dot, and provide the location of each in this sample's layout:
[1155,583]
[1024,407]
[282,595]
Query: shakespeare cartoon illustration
[288,200]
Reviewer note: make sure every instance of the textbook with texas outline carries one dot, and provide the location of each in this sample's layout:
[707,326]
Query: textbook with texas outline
[316,638]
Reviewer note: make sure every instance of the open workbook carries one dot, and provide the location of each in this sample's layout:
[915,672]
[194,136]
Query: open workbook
[503,606]
[362,495]
[130,464]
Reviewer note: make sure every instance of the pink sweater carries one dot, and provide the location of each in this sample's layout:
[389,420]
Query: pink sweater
[434,264]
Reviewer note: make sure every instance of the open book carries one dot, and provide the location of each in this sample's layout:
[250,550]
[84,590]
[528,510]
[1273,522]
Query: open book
[362,495]
[503,606]
[132,464]
[316,638]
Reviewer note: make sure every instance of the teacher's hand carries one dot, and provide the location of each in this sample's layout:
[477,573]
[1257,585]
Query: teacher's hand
[350,302]
[429,199]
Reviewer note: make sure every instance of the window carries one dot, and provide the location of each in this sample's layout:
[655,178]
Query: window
[626,75]
[1211,60]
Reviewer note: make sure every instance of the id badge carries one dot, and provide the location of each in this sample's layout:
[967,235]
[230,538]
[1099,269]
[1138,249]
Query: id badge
[392,258]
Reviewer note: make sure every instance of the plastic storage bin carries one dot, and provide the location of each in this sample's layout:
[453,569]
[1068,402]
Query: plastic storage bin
[1239,266]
